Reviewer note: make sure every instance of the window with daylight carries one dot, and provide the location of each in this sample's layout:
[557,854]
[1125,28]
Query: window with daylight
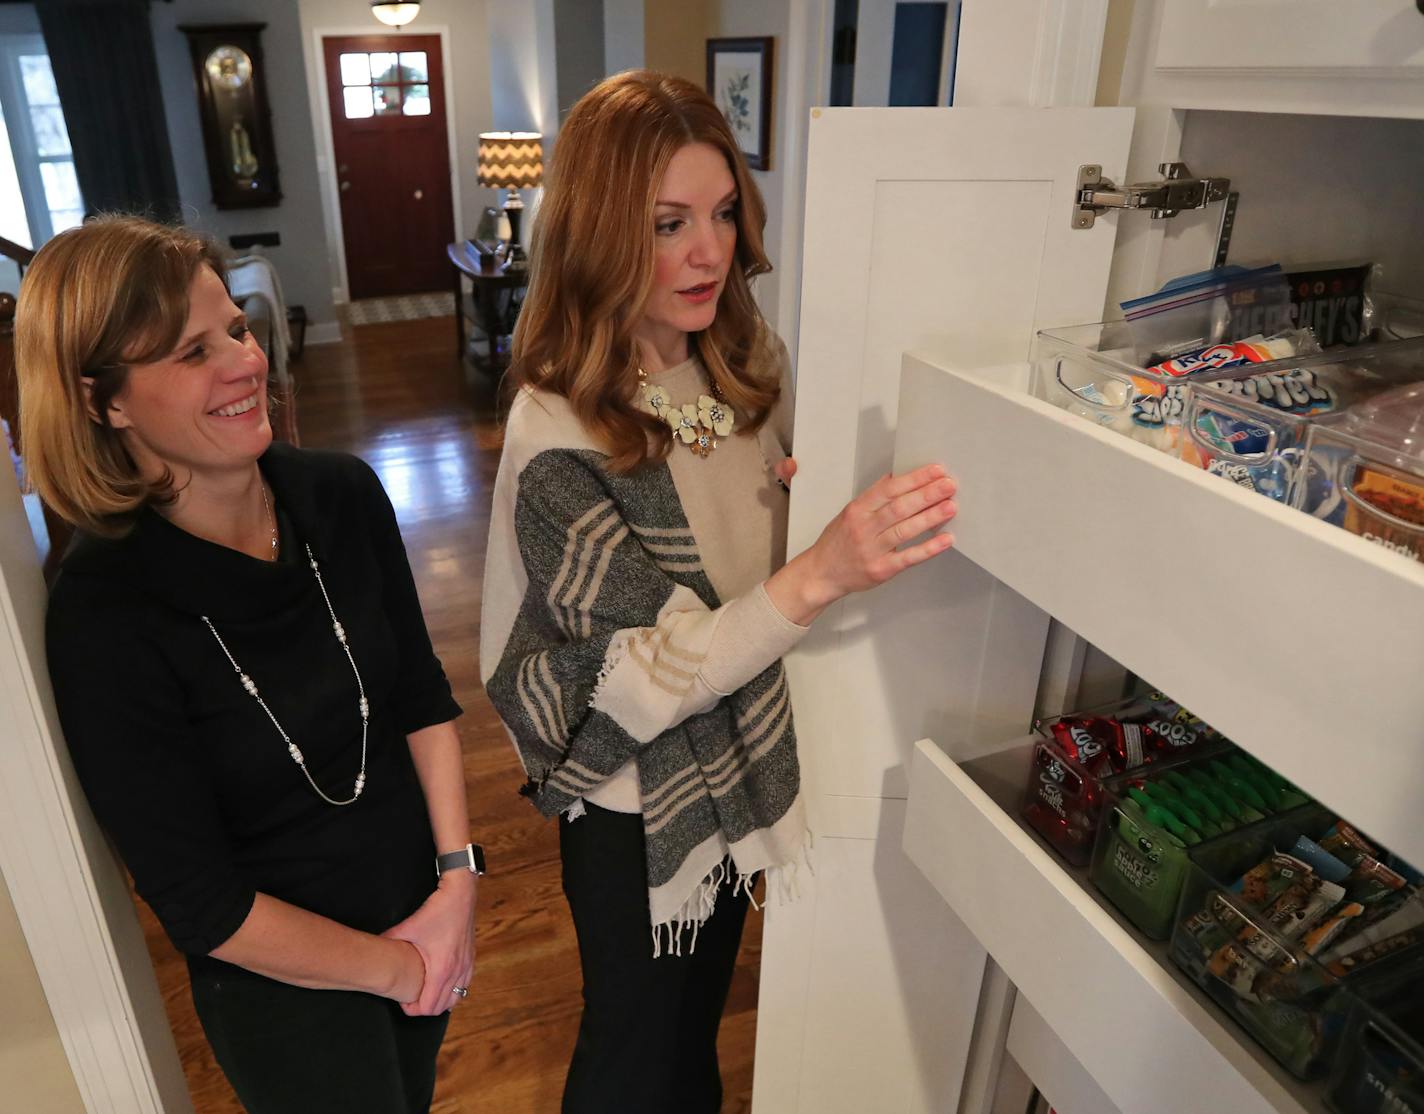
[385,83]
[38,156]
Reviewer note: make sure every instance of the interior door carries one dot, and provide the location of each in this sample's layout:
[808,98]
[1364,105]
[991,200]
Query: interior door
[391,145]
[894,52]
[947,232]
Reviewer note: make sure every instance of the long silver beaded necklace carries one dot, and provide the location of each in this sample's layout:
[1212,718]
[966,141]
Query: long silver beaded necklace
[251,686]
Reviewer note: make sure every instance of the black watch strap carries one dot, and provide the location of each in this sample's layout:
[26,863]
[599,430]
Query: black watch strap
[470,857]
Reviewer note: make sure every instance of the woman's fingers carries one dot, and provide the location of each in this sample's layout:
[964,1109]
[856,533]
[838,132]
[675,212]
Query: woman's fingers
[889,488]
[899,560]
[917,524]
[913,503]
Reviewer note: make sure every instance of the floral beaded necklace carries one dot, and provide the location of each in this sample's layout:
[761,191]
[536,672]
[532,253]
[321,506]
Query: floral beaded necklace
[696,426]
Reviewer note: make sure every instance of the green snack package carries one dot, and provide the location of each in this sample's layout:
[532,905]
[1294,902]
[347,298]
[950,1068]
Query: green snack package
[1238,786]
[1199,801]
[1291,796]
[1143,863]
[1181,808]
[1209,786]
[1257,780]
[1159,815]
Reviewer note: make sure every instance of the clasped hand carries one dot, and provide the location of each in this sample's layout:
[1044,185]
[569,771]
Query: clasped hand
[442,930]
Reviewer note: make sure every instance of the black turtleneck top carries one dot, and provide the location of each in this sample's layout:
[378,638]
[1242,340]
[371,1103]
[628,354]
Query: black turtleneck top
[184,769]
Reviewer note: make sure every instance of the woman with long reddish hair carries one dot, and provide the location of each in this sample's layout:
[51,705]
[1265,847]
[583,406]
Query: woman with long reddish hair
[637,600]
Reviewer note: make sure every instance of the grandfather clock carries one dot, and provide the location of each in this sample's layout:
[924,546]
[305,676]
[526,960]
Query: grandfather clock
[237,122]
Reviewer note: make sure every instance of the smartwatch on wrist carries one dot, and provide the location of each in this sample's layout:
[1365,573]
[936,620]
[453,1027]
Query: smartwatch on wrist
[470,857]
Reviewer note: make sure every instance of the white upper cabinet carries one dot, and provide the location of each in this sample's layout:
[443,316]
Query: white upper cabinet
[1323,57]
[1256,35]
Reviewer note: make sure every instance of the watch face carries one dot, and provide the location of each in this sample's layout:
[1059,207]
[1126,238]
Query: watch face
[229,68]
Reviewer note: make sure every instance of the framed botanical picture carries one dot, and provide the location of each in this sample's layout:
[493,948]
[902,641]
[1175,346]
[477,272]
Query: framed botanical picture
[739,79]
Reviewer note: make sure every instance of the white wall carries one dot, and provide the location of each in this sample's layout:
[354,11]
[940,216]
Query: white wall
[623,47]
[579,52]
[523,73]
[34,1073]
[753,18]
[301,259]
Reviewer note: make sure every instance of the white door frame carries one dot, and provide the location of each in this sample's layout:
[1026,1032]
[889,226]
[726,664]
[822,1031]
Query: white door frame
[68,890]
[326,143]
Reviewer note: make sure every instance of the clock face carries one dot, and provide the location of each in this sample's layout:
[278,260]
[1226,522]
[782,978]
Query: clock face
[229,68]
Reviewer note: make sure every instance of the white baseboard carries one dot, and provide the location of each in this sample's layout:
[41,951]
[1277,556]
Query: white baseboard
[324,332]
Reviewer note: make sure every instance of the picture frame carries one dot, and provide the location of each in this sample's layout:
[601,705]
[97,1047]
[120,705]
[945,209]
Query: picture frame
[739,79]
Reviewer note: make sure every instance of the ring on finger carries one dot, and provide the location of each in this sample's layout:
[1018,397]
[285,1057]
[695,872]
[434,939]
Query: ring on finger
[460,991]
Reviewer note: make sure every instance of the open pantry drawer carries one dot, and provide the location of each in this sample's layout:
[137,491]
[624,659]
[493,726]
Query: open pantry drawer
[1301,642]
[1147,1037]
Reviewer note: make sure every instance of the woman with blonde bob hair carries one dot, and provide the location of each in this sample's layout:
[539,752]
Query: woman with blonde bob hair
[245,680]
[637,599]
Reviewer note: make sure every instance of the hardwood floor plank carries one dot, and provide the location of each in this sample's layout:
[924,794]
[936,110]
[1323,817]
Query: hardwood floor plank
[393,394]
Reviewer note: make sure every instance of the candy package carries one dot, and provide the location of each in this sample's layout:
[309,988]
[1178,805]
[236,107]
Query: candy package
[1220,306]
[1082,758]
[1331,300]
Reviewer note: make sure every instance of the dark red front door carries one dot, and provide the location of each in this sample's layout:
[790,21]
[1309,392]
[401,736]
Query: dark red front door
[392,161]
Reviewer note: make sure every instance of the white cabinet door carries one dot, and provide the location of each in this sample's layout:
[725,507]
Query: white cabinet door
[1277,35]
[946,230]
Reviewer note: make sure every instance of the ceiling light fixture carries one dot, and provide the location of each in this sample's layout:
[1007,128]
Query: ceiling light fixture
[395,15]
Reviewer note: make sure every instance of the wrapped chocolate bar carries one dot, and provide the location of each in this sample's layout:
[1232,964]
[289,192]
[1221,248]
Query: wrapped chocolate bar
[1331,300]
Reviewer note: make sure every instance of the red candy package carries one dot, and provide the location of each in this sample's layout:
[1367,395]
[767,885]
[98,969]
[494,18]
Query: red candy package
[1105,746]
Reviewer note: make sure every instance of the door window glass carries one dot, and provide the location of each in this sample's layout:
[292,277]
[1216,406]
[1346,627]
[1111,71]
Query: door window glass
[417,100]
[385,83]
[358,102]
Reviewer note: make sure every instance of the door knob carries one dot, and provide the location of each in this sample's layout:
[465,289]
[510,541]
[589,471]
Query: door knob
[345,186]
[421,193]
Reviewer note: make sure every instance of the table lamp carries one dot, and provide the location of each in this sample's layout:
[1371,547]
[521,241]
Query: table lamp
[512,161]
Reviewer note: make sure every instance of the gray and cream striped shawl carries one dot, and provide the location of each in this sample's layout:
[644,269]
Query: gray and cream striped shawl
[596,615]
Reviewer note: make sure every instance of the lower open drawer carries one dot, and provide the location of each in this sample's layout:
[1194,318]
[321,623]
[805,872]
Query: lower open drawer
[1147,1036]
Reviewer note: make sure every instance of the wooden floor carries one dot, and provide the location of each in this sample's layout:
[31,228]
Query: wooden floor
[395,395]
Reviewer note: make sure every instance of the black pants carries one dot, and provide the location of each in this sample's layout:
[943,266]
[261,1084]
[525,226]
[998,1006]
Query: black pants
[647,1042]
[288,1050]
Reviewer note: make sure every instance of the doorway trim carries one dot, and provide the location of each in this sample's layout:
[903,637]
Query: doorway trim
[68,892]
[326,143]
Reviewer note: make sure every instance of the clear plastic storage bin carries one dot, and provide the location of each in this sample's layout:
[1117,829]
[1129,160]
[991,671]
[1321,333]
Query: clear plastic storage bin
[1379,1063]
[1092,370]
[1140,859]
[1283,986]
[1250,426]
[1063,800]
[1283,998]
[1365,472]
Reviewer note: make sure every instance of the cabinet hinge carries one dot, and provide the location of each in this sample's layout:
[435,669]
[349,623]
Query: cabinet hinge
[1176,191]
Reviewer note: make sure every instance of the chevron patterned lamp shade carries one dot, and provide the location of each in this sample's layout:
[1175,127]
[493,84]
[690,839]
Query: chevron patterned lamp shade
[511,160]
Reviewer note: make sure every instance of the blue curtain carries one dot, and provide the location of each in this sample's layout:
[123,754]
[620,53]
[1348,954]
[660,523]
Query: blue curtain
[106,72]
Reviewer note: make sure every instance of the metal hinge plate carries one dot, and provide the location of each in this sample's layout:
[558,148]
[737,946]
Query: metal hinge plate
[1176,191]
